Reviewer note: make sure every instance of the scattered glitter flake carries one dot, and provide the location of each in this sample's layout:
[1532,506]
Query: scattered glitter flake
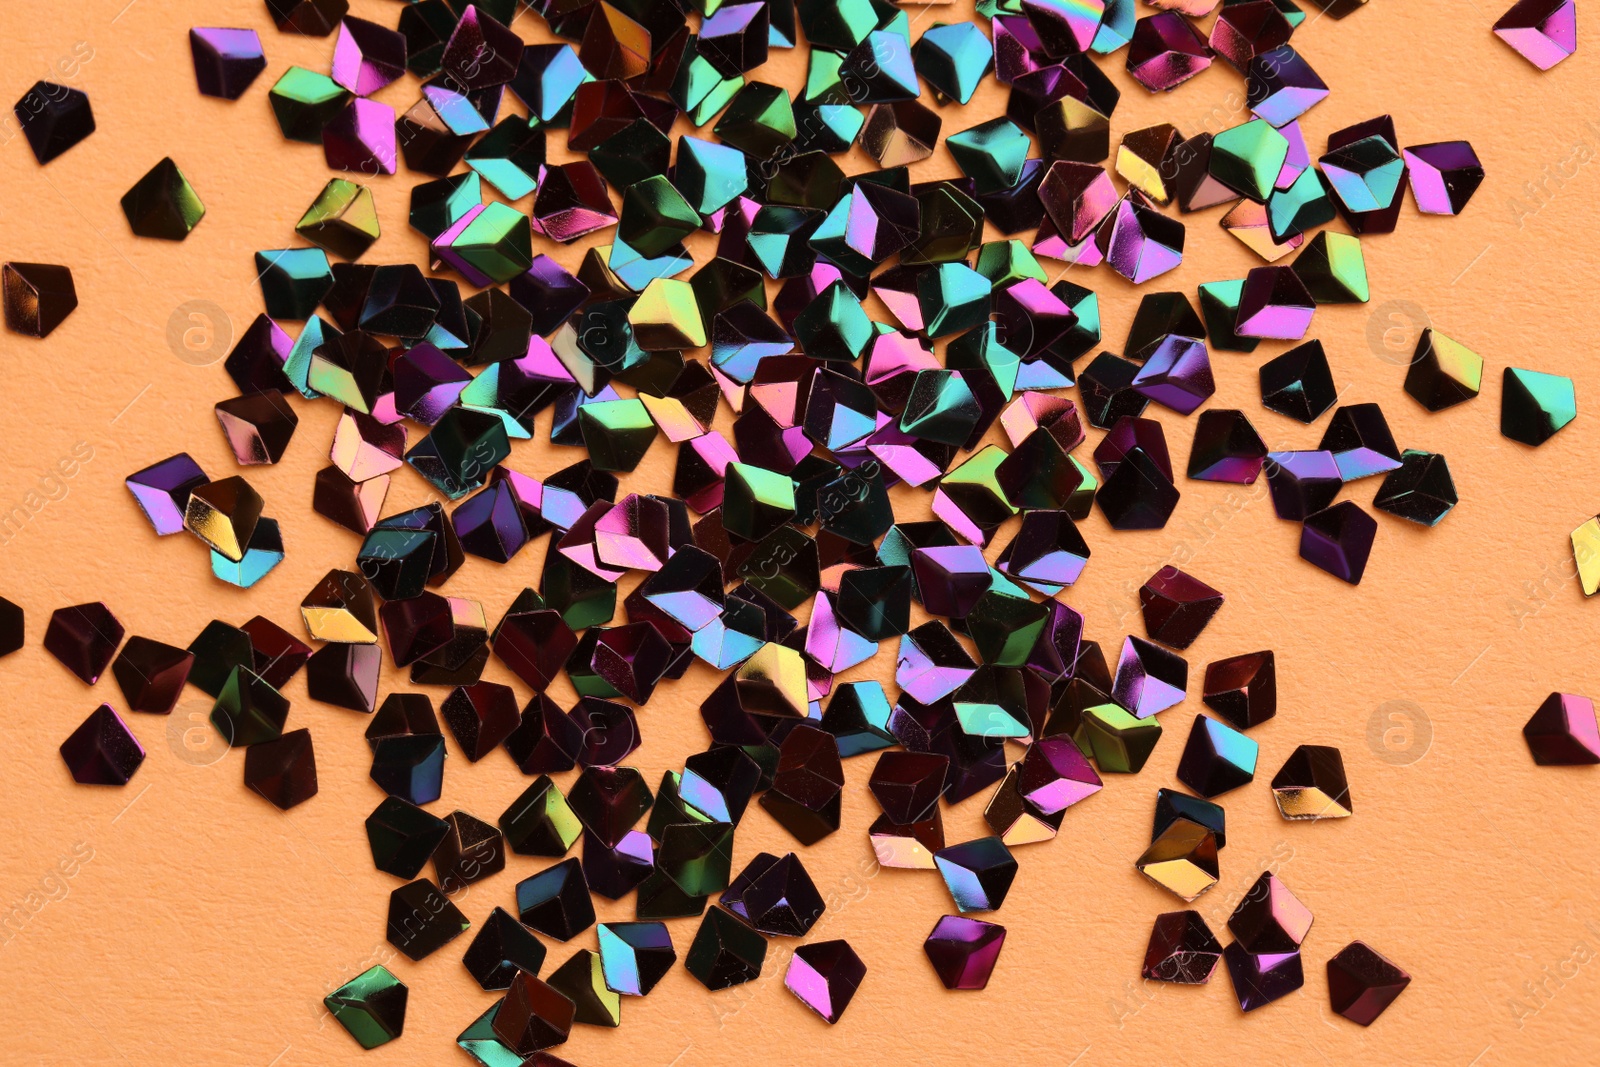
[226,61]
[54,118]
[1443,372]
[1182,947]
[1261,978]
[1563,732]
[1312,785]
[1362,984]
[84,639]
[163,204]
[1421,490]
[103,750]
[1181,859]
[1544,32]
[1534,406]
[38,297]
[1339,540]
[371,1006]
[963,951]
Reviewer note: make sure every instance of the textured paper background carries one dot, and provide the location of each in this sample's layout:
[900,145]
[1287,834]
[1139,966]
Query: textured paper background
[200,925]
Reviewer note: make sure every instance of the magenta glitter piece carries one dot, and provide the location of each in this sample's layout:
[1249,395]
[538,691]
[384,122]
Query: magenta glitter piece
[1177,374]
[162,491]
[1544,32]
[963,951]
[1339,540]
[825,976]
[831,643]
[1443,176]
[1130,432]
[1031,317]
[1149,679]
[897,288]
[577,544]
[1299,157]
[928,674]
[1017,48]
[1245,30]
[481,53]
[226,61]
[1274,304]
[1055,775]
[632,535]
[361,138]
[892,363]
[1563,732]
[1049,243]
[103,750]
[950,513]
[366,57]
[1077,197]
[905,457]
[714,453]
[572,202]
[1166,51]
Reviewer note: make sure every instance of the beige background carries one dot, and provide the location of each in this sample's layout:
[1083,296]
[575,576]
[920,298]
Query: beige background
[204,926]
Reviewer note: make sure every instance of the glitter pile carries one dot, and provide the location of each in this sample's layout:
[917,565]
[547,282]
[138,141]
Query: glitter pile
[901,349]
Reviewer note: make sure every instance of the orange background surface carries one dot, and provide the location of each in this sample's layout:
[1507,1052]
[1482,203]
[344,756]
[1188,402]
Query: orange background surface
[200,925]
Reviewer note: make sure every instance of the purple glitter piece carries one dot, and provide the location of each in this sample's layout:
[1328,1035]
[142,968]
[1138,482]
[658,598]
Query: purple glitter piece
[1056,775]
[490,525]
[1149,678]
[1302,483]
[1017,48]
[1261,979]
[225,61]
[950,579]
[907,458]
[1138,241]
[427,383]
[1544,32]
[633,534]
[831,643]
[1130,432]
[1274,304]
[1339,540]
[1299,157]
[162,490]
[1177,374]
[963,951]
[923,679]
